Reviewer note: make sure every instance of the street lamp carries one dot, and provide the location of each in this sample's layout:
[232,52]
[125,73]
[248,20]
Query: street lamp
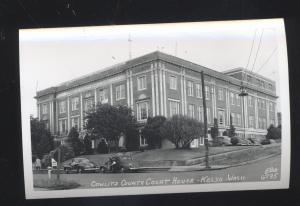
[243,94]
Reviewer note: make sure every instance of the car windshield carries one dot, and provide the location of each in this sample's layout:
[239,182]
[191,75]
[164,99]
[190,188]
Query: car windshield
[81,160]
[126,158]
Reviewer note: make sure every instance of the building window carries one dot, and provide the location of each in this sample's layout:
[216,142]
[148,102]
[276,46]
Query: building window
[263,104]
[198,91]
[190,88]
[120,92]
[103,96]
[270,86]
[238,100]
[239,119]
[272,107]
[46,122]
[191,111]
[200,113]
[44,109]
[174,108]
[221,115]
[264,123]
[272,122]
[220,94]
[142,111]
[75,122]
[207,93]
[251,121]
[88,104]
[75,103]
[142,83]
[208,115]
[62,107]
[233,118]
[62,126]
[250,101]
[232,98]
[173,82]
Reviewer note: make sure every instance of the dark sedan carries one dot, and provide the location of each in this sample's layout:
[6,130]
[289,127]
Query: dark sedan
[80,165]
[123,163]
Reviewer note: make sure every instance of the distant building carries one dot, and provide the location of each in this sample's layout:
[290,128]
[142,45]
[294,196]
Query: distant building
[161,84]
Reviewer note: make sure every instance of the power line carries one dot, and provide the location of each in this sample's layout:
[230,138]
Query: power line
[251,49]
[259,44]
[267,60]
[250,54]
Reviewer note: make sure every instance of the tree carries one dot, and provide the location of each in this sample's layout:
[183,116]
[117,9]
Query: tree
[41,138]
[108,122]
[274,132]
[231,131]
[152,132]
[182,130]
[75,142]
[87,141]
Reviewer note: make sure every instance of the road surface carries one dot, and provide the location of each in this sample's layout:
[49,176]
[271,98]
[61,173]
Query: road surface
[263,170]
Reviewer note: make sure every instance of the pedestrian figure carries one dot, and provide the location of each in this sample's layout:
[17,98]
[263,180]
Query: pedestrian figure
[37,164]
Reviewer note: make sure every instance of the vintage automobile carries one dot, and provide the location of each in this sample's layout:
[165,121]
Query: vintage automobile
[80,165]
[121,163]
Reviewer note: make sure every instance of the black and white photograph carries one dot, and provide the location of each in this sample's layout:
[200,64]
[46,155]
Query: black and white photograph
[155,108]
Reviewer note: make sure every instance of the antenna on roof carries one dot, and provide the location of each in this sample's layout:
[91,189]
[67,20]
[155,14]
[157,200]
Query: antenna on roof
[129,41]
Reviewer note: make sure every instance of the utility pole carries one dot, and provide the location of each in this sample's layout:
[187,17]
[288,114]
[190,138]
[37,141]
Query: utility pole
[205,122]
[58,164]
[243,94]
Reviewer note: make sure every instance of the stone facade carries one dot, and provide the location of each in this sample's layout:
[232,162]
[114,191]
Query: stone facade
[161,84]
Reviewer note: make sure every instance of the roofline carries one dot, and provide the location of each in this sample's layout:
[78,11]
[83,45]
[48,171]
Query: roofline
[123,66]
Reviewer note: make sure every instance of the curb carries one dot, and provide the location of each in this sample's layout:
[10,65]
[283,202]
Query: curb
[215,167]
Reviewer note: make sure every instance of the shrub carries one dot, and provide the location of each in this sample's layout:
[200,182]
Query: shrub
[274,132]
[265,141]
[76,144]
[152,132]
[54,184]
[102,147]
[66,152]
[234,140]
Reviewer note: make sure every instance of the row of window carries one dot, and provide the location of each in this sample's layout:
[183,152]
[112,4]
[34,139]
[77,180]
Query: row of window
[236,119]
[62,124]
[260,83]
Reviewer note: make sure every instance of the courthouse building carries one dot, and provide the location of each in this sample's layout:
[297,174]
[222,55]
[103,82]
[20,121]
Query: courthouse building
[161,84]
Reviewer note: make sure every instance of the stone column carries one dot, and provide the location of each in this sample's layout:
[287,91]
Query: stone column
[156,89]
[68,115]
[153,91]
[111,94]
[256,111]
[81,112]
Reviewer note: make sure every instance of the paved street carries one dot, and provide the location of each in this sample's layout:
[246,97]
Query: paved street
[264,170]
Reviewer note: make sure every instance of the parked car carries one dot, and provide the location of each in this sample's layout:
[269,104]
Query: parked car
[80,165]
[121,163]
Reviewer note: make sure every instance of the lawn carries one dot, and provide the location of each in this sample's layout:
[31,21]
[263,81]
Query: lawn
[54,184]
[183,154]
[161,156]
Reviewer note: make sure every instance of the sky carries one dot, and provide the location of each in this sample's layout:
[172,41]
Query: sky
[49,57]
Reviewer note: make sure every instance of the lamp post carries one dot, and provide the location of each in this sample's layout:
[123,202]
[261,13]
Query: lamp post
[205,122]
[243,94]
